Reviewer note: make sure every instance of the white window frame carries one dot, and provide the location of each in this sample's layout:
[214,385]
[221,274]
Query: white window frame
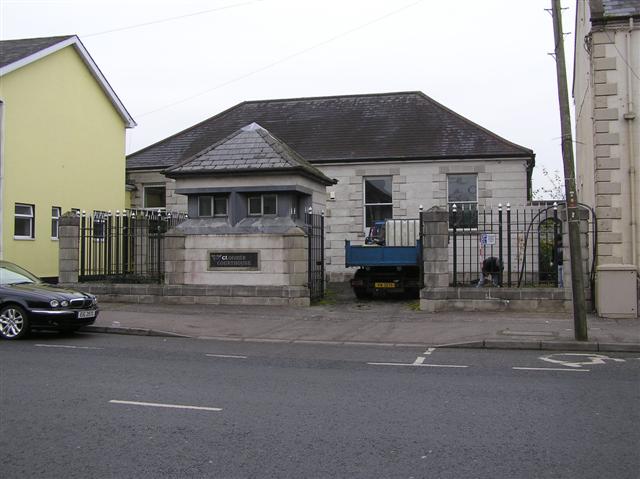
[32,220]
[56,212]
[460,205]
[364,197]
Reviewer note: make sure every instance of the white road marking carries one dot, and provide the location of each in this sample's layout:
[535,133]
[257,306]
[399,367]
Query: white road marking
[226,356]
[420,365]
[419,362]
[592,358]
[64,346]
[173,406]
[553,369]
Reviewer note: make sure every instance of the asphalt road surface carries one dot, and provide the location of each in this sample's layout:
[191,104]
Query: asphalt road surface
[109,406]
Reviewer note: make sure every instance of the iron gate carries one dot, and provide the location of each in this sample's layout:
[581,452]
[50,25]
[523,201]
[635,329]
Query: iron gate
[315,232]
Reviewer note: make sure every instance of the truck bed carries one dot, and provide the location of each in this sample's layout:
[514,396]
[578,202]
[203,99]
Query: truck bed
[373,255]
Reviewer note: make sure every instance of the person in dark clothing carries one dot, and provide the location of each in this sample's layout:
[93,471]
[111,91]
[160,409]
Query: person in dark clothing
[491,266]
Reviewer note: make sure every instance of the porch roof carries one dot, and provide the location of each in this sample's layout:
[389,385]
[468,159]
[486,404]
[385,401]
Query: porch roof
[250,149]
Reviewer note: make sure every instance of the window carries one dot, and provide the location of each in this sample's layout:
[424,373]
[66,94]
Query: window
[55,221]
[255,205]
[154,197]
[462,190]
[269,204]
[24,221]
[212,205]
[263,205]
[378,203]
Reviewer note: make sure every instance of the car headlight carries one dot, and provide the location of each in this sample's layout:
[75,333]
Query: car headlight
[54,303]
[64,303]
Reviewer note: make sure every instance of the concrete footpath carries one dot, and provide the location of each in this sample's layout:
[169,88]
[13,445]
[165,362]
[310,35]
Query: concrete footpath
[380,322]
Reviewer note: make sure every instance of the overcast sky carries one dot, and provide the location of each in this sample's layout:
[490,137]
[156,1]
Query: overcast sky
[181,62]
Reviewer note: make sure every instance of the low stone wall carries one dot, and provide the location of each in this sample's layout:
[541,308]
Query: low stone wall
[197,294]
[496,299]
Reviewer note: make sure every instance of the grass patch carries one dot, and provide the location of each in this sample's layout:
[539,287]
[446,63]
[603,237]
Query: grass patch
[414,305]
[330,298]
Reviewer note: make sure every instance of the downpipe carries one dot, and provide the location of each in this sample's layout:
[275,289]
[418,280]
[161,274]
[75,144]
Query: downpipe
[630,116]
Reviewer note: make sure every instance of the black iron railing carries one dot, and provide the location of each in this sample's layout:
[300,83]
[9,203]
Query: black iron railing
[124,246]
[527,243]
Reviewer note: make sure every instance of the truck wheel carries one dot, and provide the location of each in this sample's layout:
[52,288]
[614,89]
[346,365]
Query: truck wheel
[361,293]
[412,293]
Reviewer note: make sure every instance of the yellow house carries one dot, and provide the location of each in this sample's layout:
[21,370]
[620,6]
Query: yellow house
[62,145]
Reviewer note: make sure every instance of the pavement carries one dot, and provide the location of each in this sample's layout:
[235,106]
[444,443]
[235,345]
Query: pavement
[344,320]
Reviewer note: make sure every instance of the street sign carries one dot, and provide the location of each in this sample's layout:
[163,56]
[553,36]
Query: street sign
[487,239]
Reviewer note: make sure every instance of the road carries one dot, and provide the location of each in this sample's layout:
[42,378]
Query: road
[109,406]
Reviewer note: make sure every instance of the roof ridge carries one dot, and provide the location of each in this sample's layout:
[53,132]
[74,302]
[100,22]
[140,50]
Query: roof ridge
[331,97]
[61,37]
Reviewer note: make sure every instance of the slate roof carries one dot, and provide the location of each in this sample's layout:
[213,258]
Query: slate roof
[353,128]
[603,10]
[250,149]
[13,50]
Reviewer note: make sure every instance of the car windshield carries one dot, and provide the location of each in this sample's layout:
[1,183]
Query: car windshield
[14,274]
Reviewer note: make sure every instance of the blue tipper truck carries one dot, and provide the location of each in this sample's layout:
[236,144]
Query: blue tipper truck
[390,261]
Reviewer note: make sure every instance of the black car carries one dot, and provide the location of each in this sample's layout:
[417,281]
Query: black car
[26,302]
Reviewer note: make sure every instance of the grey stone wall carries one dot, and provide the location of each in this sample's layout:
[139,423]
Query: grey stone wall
[282,259]
[139,179]
[198,294]
[436,248]
[414,184]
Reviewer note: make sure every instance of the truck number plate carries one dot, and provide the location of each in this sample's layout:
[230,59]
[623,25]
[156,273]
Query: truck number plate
[86,314]
[384,285]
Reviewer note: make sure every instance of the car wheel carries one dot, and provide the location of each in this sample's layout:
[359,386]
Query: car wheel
[14,323]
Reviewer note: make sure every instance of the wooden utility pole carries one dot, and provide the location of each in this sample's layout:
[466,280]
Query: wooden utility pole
[577,281]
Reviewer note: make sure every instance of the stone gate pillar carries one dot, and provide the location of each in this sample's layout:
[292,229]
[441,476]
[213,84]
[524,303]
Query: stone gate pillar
[436,248]
[68,248]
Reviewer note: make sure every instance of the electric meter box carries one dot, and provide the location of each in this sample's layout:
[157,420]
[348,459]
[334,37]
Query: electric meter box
[617,291]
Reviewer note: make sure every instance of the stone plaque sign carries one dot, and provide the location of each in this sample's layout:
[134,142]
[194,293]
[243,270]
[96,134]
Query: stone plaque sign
[234,260]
